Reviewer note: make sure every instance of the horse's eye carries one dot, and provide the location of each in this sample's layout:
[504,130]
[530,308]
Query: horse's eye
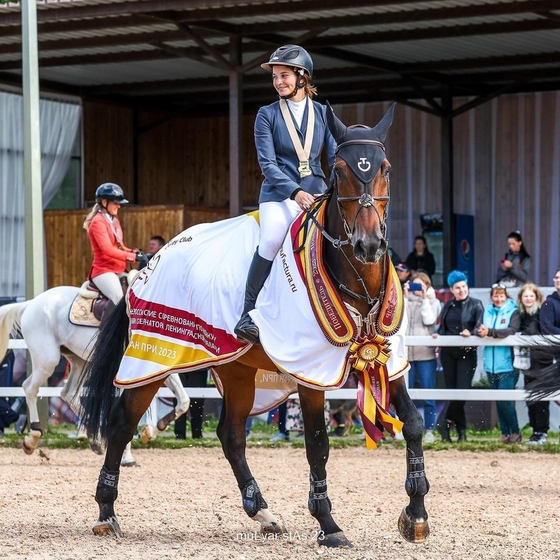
[386,171]
[337,172]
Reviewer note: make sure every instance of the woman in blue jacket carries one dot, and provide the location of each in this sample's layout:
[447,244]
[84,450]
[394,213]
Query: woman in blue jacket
[289,136]
[501,318]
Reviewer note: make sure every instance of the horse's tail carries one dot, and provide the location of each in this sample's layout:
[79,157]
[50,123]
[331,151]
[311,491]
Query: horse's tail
[10,319]
[98,394]
[547,379]
[547,383]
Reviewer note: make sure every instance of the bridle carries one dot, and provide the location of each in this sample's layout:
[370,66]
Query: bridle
[365,200]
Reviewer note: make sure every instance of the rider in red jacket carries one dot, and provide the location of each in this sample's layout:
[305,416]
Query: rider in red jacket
[110,255]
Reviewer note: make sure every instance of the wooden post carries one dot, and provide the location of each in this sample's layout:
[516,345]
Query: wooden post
[447,196]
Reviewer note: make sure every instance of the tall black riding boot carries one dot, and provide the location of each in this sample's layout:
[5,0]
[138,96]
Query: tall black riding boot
[258,273]
[462,435]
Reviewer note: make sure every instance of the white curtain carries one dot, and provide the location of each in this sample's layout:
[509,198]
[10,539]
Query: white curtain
[59,126]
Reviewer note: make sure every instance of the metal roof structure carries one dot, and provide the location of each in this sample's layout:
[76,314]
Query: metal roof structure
[180,54]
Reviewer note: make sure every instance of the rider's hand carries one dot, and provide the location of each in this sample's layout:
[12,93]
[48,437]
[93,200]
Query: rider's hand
[141,257]
[304,200]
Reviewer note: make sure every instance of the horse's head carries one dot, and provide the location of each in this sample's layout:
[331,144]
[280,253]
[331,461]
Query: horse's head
[361,183]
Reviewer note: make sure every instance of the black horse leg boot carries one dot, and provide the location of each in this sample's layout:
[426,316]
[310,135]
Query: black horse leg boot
[258,272]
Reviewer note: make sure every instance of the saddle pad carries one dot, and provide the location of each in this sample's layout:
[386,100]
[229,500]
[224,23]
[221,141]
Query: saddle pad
[81,314]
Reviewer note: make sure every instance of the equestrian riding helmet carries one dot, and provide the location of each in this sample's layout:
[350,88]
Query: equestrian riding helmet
[290,55]
[110,191]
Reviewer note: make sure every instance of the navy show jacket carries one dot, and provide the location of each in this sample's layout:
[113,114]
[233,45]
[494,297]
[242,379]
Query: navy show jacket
[278,158]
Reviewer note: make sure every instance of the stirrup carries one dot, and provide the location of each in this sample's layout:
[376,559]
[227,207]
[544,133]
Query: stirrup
[246,330]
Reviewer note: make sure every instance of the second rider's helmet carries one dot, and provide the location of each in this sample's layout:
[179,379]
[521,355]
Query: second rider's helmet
[110,191]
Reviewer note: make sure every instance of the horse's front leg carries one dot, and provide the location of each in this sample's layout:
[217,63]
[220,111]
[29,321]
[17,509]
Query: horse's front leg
[123,419]
[317,450]
[238,383]
[413,522]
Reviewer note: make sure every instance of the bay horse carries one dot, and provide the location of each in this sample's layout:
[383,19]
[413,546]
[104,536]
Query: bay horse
[49,334]
[355,228]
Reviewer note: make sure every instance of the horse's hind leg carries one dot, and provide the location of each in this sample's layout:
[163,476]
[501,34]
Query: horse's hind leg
[45,356]
[123,419]
[413,522]
[238,383]
[317,450]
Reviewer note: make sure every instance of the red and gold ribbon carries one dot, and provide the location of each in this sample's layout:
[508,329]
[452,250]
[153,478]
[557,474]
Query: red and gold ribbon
[368,357]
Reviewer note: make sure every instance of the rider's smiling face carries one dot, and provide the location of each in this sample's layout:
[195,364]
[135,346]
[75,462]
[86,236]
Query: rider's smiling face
[284,80]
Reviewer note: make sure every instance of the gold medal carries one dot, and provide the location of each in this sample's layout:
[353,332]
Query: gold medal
[304,169]
[368,352]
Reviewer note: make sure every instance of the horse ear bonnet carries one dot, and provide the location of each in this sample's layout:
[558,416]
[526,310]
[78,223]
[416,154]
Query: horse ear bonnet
[363,159]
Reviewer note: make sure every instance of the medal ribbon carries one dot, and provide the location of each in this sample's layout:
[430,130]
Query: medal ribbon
[302,151]
[368,356]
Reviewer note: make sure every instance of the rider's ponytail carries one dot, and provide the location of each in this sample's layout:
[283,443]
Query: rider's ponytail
[91,215]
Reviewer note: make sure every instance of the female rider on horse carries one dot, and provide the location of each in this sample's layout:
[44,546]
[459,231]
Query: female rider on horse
[110,255]
[289,136]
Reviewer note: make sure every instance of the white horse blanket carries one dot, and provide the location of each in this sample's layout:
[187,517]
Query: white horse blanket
[185,304]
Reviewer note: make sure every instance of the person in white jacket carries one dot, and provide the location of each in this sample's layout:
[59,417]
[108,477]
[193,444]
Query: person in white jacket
[423,309]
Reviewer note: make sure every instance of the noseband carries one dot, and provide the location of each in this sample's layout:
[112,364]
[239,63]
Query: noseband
[365,200]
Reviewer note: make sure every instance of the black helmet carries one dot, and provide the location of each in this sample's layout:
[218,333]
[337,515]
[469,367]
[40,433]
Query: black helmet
[110,191]
[290,55]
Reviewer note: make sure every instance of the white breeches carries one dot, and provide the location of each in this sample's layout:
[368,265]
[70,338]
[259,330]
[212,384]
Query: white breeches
[275,218]
[110,285]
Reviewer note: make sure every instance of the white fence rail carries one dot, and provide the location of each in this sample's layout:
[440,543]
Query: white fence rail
[417,394]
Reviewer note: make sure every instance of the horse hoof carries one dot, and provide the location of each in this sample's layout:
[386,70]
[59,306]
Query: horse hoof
[96,447]
[108,528]
[26,449]
[270,525]
[334,540]
[413,531]
[30,441]
[129,464]
[273,528]
[147,434]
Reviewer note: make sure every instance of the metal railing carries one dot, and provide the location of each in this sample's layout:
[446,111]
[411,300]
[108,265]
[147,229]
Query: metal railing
[416,394]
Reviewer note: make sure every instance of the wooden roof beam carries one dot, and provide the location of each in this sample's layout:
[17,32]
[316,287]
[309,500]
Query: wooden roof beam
[408,16]
[213,29]
[198,10]
[79,25]
[193,9]
[185,53]
[489,62]
[224,64]
[445,32]
[485,98]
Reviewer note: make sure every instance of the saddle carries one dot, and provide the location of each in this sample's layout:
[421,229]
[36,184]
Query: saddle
[91,305]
